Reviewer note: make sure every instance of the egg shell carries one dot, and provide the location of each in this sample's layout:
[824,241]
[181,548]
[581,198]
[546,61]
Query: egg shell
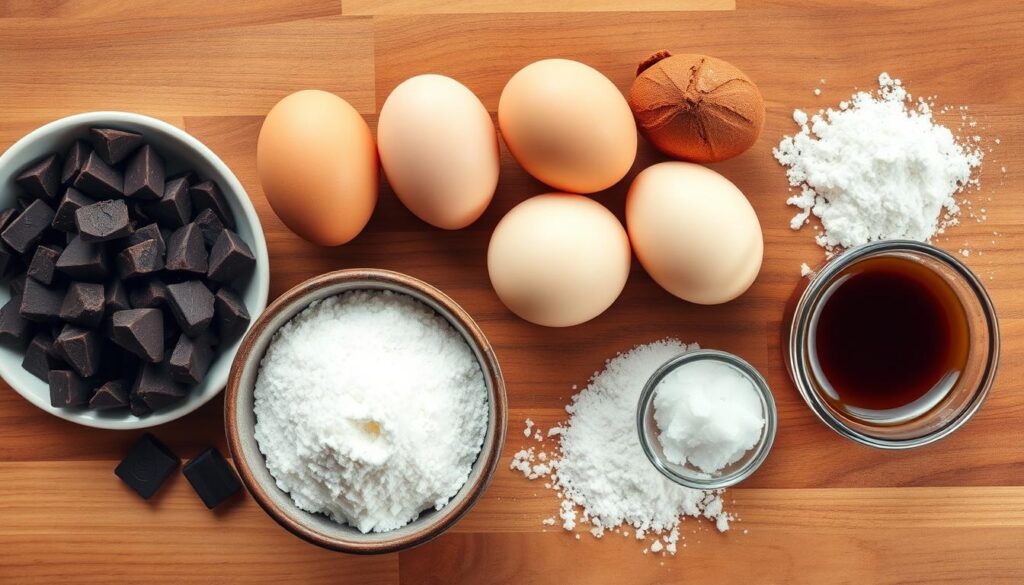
[558,259]
[317,164]
[439,150]
[568,125]
[694,232]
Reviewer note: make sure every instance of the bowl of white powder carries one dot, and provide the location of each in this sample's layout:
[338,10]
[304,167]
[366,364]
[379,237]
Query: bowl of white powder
[365,411]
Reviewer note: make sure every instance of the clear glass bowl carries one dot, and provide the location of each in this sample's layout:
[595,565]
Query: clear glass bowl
[956,407]
[688,475]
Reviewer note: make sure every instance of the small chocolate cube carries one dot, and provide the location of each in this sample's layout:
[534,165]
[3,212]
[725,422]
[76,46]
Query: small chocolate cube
[114,145]
[77,154]
[83,260]
[191,359]
[140,331]
[207,195]
[80,348]
[67,389]
[149,232]
[140,259]
[41,303]
[116,298]
[73,200]
[15,330]
[144,175]
[103,220]
[151,294]
[186,252]
[192,305]
[174,209]
[27,228]
[230,258]
[210,225]
[39,357]
[84,304]
[42,179]
[43,266]
[211,477]
[147,466]
[230,314]
[113,394]
[155,386]
[99,180]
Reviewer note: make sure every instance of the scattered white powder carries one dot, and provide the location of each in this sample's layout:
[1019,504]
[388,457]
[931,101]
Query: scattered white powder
[529,428]
[877,168]
[708,415]
[805,269]
[370,408]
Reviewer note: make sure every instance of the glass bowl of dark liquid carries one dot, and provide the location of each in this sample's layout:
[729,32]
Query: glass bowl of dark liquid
[892,344]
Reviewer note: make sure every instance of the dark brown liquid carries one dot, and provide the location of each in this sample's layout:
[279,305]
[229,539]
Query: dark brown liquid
[891,339]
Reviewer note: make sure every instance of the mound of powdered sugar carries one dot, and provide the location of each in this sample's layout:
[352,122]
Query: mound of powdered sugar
[370,408]
[878,167]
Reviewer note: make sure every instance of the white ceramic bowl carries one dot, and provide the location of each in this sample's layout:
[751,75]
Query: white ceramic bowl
[180,151]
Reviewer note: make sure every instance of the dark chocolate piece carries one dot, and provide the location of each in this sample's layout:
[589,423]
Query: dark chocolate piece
[190,177]
[175,206]
[210,225]
[80,348]
[67,389]
[42,179]
[207,195]
[191,359]
[84,304]
[149,232]
[99,180]
[8,259]
[7,216]
[192,305]
[15,330]
[140,331]
[151,294]
[230,258]
[186,252]
[73,200]
[144,175]
[140,259]
[136,405]
[147,466]
[39,357]
[113,394]
[83,260]
[17,285]
[116,298]
[41,303]
[211,477]
[44,263]
[77,154]
[155,386]
[232,318]
[27,229]
[103,220]
[114,145]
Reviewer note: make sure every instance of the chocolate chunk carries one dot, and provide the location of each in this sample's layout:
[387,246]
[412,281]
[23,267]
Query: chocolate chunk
[116,297]
[7,216]
[186,252]
[77,154]
[73,200]
[99,180]
[17,285]
[144,175]
[207,195]
[83,260]
[230,258]
[84,304]
[114,145]
[103,220]
[80,348]
[190,176]
[147,466]
[136,405]
[15,330]
[211,477]
[39,357]
[175,206]
[42,179]
[27,229]
[149,232]
[140,259]
[7,258]
[44,263]
[192,305]
[232,318]
[67,389]
[155,386]
[140,331]
[113,394]
[151,294]
[41,303]
[210,225]
[190,359]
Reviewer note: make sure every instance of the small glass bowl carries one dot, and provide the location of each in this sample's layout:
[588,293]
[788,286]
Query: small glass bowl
[688,475]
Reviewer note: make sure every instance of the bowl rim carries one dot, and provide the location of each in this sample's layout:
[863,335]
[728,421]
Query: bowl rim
[261,275]
[300,294]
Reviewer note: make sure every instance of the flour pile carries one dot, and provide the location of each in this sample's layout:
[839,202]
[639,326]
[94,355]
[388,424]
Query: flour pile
[876,168]
[370,408]
[601,472]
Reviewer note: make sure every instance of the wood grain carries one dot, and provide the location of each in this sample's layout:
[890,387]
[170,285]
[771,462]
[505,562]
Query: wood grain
[821,509]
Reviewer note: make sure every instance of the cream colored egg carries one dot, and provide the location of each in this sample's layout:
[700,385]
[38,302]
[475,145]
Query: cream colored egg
[318,166]
[694,232]
[558,259]
[568,125]
[439,150]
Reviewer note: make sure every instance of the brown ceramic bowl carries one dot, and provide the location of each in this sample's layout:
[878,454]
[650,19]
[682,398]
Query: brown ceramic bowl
[240,419]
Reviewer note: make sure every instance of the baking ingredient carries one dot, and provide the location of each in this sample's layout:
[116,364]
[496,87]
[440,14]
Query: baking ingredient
[878,167]
[439,150]
[211,477]
[708,415]
[147,465]
[558,259]
[317,164]
[370,408]
[695,107]
[601,472]
[694,232]
[567,125]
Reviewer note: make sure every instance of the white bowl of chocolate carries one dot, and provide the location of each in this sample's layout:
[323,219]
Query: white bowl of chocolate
[132,263]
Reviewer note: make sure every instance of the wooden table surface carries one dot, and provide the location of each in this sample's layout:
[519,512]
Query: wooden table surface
[821,510]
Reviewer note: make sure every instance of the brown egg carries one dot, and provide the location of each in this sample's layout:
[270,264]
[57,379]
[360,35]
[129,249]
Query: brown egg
[317,164]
